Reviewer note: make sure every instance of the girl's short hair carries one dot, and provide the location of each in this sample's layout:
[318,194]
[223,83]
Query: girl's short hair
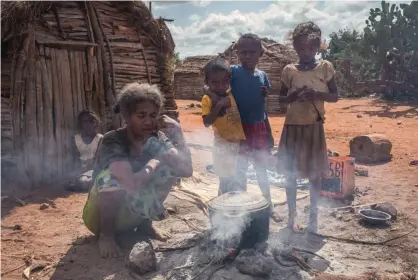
[216,65]
[250,36]
[86,113]
[135,93]
[309,30]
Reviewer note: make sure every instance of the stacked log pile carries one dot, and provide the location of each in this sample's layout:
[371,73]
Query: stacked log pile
[276,57]
[189,78]
[71,56]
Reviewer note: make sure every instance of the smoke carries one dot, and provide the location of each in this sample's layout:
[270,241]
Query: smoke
[226,231]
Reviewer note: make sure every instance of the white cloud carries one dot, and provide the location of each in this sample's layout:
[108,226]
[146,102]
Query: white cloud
[194,17]
[201,3]
[216,31]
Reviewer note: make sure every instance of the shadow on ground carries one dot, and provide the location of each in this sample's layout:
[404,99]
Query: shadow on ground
[388,109]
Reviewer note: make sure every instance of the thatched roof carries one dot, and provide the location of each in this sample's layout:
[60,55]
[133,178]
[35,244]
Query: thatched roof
[272,49]
[16,15]
[194,64]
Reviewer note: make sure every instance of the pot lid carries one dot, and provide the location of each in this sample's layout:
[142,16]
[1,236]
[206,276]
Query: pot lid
[238,202]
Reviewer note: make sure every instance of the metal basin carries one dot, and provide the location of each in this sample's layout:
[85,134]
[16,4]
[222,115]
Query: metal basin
[374,217]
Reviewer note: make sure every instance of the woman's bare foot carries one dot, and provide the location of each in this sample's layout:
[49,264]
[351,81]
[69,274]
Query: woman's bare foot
[108,247]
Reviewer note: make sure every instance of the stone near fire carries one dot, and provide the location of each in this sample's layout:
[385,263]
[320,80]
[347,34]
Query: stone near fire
[44,206]
[142,258]
[256,265]
[361,171]
[387,208]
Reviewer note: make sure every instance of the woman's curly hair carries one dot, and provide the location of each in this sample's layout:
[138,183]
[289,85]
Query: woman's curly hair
[308,30]
[135,93]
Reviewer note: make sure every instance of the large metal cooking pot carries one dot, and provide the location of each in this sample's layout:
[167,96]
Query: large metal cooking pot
[249,212]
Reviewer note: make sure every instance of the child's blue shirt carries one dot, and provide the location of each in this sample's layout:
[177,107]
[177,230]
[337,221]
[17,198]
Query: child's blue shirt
[246,89]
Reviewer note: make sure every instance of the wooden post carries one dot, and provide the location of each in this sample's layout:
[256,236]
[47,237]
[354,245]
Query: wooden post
[106,68]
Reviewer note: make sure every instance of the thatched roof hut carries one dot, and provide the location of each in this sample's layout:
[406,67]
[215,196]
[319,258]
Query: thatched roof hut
[276,57]
[188,78]
[59,58]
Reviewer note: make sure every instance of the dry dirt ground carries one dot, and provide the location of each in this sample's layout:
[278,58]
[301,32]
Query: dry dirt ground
[56,238]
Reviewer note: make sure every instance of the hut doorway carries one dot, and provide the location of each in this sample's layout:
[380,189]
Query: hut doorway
[60,88]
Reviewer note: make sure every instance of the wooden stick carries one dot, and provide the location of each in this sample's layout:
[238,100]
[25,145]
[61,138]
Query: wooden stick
[13,269]
[90,31]
[67,93]
[356,206]
[40,116]
[106,68]
[145,57]
[112,70]
[55,76]
[31,149]
[57,18]
[49,143]
[203,270]
[353,241]
[63,44]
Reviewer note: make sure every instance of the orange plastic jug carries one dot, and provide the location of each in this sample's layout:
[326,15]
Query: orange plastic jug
[340,183]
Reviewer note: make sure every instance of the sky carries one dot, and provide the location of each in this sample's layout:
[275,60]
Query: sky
[204,27]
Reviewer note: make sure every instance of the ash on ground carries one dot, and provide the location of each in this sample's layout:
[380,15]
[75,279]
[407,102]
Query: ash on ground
[275,179]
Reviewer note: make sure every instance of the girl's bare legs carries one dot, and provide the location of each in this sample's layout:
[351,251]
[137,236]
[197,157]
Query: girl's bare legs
[315,192]
[291,192]
[109,203]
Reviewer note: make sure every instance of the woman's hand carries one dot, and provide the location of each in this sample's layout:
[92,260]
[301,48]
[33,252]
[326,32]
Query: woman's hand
[180,163]
[167,123]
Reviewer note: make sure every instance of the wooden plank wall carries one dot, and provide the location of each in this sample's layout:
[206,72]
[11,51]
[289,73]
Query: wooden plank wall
[189,86]
[61,69]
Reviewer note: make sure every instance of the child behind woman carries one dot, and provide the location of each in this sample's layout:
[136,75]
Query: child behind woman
[84,149]
[302,149]
[220,111]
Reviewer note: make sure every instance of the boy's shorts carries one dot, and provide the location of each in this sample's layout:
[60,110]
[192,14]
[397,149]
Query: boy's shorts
[257,137]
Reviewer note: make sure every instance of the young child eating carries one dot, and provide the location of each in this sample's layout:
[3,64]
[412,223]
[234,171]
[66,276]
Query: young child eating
[220,111]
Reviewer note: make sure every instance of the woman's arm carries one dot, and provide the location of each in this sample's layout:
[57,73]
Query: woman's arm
[129,181]
[179,158]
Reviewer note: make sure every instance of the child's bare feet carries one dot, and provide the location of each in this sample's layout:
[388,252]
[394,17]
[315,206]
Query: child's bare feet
[108,247]
[313,223]
[291,221]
